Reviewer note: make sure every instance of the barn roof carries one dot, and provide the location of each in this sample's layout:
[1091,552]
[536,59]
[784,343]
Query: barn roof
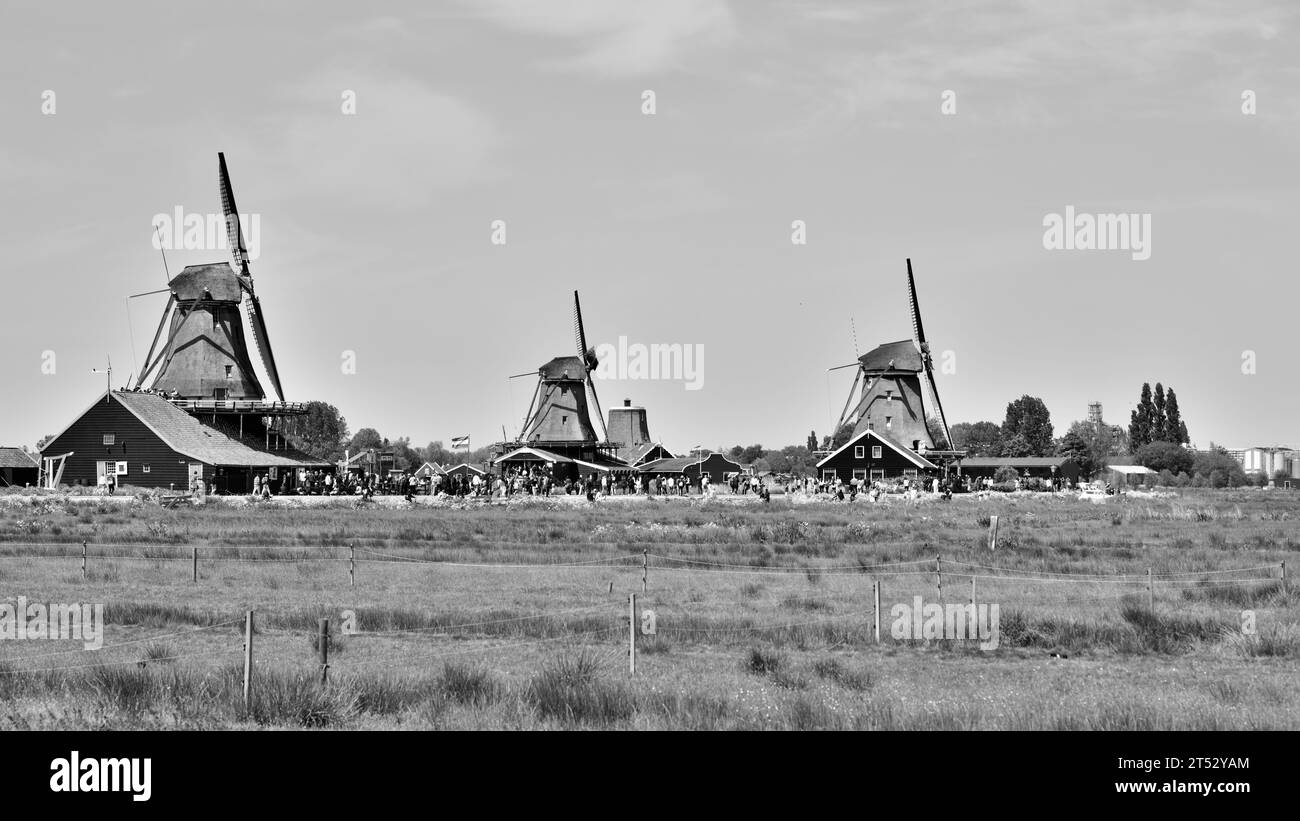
[903,353]
[635,453]
[16,458]
[218,278]
[186,435]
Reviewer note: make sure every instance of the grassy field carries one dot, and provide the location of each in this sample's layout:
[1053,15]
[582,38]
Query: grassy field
[514,615]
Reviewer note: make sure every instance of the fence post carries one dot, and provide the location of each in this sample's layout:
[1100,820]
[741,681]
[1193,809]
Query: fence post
[352,565]
[938,578]
[1284,578]
[323,642]
[645,569]
[875,589]
[194,555]
[972,589]
[1151,592]
[83,560]
[248,658]
[993,533]
[631,633]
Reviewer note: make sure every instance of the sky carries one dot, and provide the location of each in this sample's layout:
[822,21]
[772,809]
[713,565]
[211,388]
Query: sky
[377,226]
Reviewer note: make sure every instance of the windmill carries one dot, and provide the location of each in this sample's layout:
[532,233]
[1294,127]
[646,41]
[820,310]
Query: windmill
[206,354]
[558,414]
[898,397]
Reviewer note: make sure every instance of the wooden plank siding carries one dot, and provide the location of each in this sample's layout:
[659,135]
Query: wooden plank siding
[133,443]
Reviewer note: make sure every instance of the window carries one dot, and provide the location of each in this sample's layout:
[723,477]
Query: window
[871,424]
[828,476]
[859,452]
[144,468]
[916,444]
[859,474]
[877,474]
[121,468]
[228,369]
[110,439]
[889,423]
[875,451]
[910,472]
[218,393]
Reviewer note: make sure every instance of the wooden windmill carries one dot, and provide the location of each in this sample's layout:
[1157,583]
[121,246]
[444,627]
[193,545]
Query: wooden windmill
[558,414]
[206,354]
[898,397]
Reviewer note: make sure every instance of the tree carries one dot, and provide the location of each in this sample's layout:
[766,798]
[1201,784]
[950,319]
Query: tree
[1029,418]
[321,432]
[1005,475]
[1014,447]
[977,438]
[1216,468]
[1158,421]
[1139,425]
[365,439]
[1168,456]
[1075,446]
[437,454]
[735,453]
[751,454]
[1175,428]
[43,441]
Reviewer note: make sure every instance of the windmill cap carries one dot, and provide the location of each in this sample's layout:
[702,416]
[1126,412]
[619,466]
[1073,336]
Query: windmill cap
[213,281]
[903,353]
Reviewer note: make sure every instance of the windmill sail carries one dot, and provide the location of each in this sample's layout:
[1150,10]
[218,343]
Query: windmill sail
[252,306]
[588,357]
[918,336]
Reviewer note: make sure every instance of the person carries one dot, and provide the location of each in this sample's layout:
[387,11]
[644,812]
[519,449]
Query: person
[111,481]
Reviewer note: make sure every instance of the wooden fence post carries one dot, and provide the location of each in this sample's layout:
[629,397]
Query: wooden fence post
[194,556]
[352,565]
[993,533]
[83,560]
[1151,592]
[1284,578]
[875,589]
[248,658]
[323,642]
[972,589]
[645,569]
[631,633]
[938,578]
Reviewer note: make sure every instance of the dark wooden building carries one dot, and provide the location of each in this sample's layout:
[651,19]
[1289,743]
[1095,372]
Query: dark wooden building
[718,467]
[145,440]
[18,468]
[872,456]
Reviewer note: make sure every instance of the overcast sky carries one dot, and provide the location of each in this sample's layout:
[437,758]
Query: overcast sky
[376,228]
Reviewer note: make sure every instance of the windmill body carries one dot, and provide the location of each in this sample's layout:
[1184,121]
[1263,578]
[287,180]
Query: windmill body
[561,415]
[208,355]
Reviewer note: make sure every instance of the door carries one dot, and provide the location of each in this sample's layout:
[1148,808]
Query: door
[196,472]
[102,470]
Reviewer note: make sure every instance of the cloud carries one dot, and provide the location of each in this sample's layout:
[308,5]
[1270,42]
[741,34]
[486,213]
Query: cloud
[620,37]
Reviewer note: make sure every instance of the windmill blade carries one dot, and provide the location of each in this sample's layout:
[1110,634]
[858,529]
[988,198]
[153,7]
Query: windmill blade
[234,236]
[918,336]
[579,332]
[528,417]
[263,343]
[934,392]
[600,415]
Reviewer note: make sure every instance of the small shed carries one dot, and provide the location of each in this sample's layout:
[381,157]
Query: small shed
[18,468]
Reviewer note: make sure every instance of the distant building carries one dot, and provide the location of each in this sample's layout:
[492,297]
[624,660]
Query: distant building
[18,468]
[718,468]
[1130,476]
[463,469]
[1269,460]
[1094,413]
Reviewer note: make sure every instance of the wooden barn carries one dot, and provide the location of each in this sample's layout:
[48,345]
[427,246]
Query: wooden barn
[872,456]
[463,469]
[18,468]
[718,467]
[145,440]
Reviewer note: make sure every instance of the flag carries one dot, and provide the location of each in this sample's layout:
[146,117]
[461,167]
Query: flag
[460,443]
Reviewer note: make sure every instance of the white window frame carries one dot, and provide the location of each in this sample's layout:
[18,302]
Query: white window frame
[860,475]
[876,452]
[121,468]
[829,475]
[877,474]
[144,468]
[859,452]
[109,440]
[909,472]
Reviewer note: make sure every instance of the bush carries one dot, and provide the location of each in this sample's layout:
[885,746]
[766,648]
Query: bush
[1005,475]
